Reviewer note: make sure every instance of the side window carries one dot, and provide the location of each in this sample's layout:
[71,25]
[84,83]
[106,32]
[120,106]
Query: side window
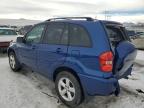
[54,33]
[64,38]
[78,36]
[35,34]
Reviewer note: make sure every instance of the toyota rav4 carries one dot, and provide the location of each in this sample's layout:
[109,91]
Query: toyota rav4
[83,56]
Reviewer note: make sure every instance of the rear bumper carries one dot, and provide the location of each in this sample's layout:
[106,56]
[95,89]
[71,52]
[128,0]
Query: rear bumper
[4,44]
[99,86]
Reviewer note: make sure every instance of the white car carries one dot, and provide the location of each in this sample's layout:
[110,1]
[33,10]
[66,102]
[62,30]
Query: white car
[7,35]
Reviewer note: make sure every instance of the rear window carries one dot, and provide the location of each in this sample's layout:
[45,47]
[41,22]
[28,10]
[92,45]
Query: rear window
[116,34]
[7,32]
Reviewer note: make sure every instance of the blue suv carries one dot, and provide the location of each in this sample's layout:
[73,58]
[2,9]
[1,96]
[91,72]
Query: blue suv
[83,56]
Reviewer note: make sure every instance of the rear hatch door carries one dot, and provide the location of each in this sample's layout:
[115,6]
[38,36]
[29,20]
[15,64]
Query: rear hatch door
[124,51]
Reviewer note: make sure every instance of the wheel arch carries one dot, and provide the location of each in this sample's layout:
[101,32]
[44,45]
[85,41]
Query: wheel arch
[10,50]
[64,68]
[73,72]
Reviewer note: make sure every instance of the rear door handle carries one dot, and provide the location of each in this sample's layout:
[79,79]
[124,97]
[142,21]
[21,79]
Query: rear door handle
[33,47]
[58,50]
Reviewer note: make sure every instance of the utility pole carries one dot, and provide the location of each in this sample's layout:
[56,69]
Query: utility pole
[107,15]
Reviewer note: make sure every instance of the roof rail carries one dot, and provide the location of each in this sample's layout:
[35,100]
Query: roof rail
[71,18]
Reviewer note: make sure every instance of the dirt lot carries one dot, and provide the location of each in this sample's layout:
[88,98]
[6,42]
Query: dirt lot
[30,90]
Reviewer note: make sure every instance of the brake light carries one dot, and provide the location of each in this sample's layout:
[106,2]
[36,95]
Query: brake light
[106,61]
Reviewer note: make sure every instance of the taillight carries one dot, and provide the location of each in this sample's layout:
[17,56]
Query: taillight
[106,61]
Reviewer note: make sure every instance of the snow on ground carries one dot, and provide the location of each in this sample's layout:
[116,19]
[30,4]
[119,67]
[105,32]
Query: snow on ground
[31,90]
[136,80]
[140,57]
[18,91]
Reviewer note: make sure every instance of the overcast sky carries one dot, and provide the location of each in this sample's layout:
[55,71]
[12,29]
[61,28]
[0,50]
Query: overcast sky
[119,10]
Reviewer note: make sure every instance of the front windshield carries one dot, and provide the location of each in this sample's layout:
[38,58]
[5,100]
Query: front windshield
[7,32]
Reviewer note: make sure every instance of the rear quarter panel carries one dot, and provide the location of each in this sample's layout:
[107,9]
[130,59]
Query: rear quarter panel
[85,60]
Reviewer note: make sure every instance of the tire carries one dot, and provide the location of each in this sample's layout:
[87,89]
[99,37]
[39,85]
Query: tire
[68,89]
[13,62]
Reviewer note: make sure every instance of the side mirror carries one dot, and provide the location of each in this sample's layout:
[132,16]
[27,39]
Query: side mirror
[19,40]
